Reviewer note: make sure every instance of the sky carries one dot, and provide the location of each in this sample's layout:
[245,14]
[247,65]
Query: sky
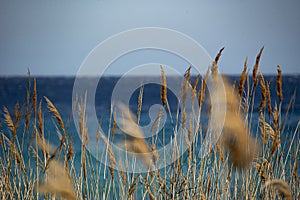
[54,37]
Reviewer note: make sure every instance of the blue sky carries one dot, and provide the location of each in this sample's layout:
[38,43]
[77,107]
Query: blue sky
[53,37]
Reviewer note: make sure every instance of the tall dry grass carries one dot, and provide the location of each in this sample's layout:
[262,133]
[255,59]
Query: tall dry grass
[249,161]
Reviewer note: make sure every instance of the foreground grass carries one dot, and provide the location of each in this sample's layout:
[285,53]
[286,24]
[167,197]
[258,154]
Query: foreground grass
[238,166]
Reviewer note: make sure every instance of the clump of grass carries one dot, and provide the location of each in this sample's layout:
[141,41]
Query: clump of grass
[134,141]
[281,186]
[234,168]
[236,137]
[57,182]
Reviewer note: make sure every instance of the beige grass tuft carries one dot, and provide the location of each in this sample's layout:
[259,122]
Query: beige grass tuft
[134,140]
[281,186]
[255,68]
[57,182]
[279,83]
[9,120]
[55,112]
[163,93]
[243,78]
[263,93]
[236,138]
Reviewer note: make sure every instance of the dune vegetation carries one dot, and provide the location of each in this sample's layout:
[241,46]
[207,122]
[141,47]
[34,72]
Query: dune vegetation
[248,160]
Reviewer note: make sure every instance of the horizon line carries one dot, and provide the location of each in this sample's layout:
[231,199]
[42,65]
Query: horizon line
[116,75]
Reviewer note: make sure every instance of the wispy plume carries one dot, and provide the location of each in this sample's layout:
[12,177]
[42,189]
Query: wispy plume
[134,141]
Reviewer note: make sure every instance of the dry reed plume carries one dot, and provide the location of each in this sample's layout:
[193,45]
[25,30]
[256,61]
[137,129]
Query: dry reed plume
[236,137]
[281,186]
[263,93]
[134,140]
[9,120]
[163,93]
[255,68]
[57,182]
[201,93]
[55,112]
[279,83]
[243,78]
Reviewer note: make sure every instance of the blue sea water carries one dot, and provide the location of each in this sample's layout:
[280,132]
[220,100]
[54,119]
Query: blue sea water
[59,91]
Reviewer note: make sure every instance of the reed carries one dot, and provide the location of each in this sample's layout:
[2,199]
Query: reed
[236,137]
[269,98]
[140,102]
[185,85]
[40,119]
[55,112]
[110,151]
[28,110]
[255,68]
[163,93]
[238,165]
[9,120]
[263,92]
[134,141]
[34,98]
[279,84]
[57,182]
[201,93]
[281,186]
[243,78]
